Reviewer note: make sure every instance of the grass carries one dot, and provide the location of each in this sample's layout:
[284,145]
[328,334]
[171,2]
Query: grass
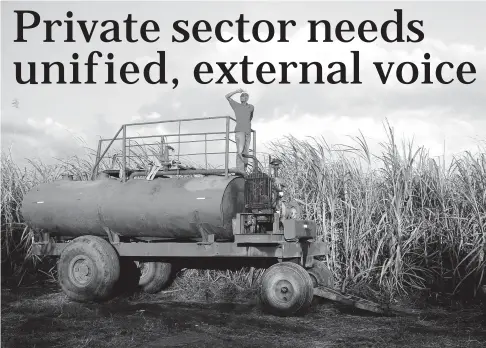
[45,317]
[398,222]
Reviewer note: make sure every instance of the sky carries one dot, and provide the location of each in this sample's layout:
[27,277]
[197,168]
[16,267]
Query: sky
[56,121]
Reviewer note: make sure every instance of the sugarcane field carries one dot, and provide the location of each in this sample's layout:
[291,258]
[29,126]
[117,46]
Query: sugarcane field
[176,183]
[221,294]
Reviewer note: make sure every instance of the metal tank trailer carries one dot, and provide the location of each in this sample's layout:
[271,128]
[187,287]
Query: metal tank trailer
[175,217]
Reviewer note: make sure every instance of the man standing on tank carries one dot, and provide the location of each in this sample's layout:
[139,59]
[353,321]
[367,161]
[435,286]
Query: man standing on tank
[244,115]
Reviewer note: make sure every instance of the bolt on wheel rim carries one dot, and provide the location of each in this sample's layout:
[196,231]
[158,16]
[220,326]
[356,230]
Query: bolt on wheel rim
[81,271]
[284,291]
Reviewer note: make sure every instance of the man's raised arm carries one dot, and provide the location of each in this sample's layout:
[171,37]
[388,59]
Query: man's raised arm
[230,94]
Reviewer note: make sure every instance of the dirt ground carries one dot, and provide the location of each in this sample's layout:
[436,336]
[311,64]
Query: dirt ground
[43,317]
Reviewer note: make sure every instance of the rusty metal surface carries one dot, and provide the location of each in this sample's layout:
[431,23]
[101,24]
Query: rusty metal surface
[173,249]
[305,248]
[354,301]
[259,238]
[125,158]
[361,303]
[187,172]
[164,208]
[296,229]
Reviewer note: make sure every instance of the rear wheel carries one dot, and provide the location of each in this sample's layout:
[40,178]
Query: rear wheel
[88,269]
[286,289]
[154,276]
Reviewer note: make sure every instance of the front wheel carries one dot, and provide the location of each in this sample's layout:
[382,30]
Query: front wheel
[88,269]
[286,289]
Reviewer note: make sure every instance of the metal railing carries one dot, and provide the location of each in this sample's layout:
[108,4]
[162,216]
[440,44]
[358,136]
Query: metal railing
[123,130]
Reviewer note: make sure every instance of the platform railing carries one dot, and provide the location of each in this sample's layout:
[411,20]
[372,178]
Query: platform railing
[123,130]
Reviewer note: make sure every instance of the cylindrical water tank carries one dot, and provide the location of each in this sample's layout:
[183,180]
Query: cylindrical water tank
[178,208]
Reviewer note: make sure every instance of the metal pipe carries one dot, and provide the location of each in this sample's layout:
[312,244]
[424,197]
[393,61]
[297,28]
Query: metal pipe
[129,151]
[226,157]
[183,120]
[188,172]
[179,147]
[255,166]
[161,149]
[182,142]
[104,153]
[170,135]
[124,156]
[189,154]
[98,153]
[206,150]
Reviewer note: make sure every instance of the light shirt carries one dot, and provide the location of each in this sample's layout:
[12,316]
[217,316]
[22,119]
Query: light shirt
[243,115]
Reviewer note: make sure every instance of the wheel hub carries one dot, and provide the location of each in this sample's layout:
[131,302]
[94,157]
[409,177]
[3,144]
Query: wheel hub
[81,271]
[284,291]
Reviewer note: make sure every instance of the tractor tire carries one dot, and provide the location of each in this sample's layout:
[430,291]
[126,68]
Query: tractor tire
[321,275]
[88,269]
[286,289]
[155,276]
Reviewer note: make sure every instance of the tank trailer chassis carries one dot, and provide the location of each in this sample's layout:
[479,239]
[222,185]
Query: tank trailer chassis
[153,222]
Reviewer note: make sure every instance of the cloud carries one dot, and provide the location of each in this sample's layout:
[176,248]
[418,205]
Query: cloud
[27,136]
[59,115]
[335,110]
[153,116]
[453,136]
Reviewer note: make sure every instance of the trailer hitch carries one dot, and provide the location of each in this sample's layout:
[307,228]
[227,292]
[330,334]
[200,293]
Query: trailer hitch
[360,303]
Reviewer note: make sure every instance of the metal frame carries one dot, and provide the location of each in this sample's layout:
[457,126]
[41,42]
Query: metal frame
[298,240]
[275,249]
[123,130]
